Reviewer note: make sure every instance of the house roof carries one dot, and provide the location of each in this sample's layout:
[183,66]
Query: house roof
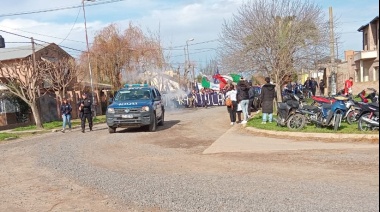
[364,26]
[18,52]
[21,52]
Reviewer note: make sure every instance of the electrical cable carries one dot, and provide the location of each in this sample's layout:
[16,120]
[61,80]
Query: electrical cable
[76,19]
[40,40]
[58,8]
[49,36]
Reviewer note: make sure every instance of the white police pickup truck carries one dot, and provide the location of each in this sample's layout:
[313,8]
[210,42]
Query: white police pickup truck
[136,105]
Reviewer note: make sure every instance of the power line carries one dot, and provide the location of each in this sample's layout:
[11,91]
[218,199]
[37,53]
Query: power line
[41,40]
[58,8]
[71,27]
[49,36]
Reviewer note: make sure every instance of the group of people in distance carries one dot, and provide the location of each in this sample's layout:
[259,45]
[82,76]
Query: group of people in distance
[240,95]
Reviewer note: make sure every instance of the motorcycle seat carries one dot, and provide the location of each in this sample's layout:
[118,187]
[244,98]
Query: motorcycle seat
[326,106]
[310,107]
[374,104]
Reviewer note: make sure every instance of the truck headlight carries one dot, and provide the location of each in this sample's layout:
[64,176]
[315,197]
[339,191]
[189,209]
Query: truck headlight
[145,109]
[111,110]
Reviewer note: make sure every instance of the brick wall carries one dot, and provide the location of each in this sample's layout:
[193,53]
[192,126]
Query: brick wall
[359,86]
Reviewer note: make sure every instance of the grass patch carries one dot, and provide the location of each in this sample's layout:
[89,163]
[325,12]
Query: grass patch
[344,127]
[4,136]
[58,124]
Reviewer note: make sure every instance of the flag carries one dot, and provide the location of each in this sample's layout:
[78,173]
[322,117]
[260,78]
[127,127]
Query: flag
[216,79]
[235,77]
[205,82]
[220,78]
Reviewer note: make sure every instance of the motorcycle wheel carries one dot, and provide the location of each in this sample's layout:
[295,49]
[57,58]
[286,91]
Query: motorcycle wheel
[338,119]
[296,122]
[362,125]
[351,117]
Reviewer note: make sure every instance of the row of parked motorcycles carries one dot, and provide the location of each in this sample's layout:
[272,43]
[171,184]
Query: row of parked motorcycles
[330,111]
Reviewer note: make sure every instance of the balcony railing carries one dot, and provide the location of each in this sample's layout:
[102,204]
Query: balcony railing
[363,55]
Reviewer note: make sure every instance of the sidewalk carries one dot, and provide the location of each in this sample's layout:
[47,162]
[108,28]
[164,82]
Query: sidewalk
[236,141]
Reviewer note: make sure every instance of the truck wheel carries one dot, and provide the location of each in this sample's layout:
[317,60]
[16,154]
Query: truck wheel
[111,129]
[153,123]
[162,119]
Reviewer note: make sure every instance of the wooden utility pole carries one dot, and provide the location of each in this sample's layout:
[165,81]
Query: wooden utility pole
[332,53]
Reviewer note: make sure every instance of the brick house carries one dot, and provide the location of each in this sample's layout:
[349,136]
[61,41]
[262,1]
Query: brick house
[8,111]
[362,65]
[366,61]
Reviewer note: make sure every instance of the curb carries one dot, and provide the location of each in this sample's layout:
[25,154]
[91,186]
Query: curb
[36,131]
[315,135]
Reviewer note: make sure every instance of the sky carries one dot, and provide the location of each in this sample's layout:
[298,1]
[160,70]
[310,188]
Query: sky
[176,21]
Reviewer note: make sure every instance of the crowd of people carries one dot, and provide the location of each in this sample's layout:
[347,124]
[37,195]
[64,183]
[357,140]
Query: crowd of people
[242,96]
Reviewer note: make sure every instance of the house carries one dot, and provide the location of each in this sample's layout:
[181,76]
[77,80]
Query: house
[362,65]
[366,61]
[10,113]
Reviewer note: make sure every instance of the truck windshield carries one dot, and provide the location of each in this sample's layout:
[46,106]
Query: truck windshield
[133,94]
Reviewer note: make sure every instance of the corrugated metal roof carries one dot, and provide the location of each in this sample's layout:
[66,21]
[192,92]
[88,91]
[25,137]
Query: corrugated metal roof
[18,52]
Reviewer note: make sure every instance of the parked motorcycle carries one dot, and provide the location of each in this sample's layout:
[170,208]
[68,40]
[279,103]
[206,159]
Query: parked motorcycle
[332,114]
[310,112]
[357,110]
[288,112]
[369,120]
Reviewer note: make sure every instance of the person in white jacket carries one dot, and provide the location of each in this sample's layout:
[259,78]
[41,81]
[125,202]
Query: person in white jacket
[232,109]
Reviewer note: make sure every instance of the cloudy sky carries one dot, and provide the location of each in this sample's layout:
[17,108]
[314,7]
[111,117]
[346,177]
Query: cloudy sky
[176,20]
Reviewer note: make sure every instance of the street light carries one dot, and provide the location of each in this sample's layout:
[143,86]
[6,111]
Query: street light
[188,56]
[88,56]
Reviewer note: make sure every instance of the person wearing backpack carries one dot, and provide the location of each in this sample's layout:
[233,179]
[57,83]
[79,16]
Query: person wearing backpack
[232,107]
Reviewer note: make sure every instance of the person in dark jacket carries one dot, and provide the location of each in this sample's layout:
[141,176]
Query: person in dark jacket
[85,111]
[307,87]
[314,86]
[321,88]
[251,95]
[268,94]
[66,114]
[244,98]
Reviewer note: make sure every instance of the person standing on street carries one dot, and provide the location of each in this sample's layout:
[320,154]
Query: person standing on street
[85,106]
[66,114]
[268,94]
[244,98]
[322,88]
[232,109]
[314,86]
[307,88]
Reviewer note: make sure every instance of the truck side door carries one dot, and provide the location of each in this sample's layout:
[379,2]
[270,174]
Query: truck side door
[157,103]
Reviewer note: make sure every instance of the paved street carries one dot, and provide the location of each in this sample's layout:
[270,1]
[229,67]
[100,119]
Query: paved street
[190,164]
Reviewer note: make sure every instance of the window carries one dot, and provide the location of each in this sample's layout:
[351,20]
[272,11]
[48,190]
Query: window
[154,93]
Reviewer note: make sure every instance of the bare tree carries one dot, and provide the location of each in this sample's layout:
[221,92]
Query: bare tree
[24,79]
[122,57]
[273,36]
[64,74]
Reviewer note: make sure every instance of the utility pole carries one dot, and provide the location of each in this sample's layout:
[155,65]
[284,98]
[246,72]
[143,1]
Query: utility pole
[332,53]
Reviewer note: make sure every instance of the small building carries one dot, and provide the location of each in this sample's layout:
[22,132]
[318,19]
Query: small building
[11,113]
